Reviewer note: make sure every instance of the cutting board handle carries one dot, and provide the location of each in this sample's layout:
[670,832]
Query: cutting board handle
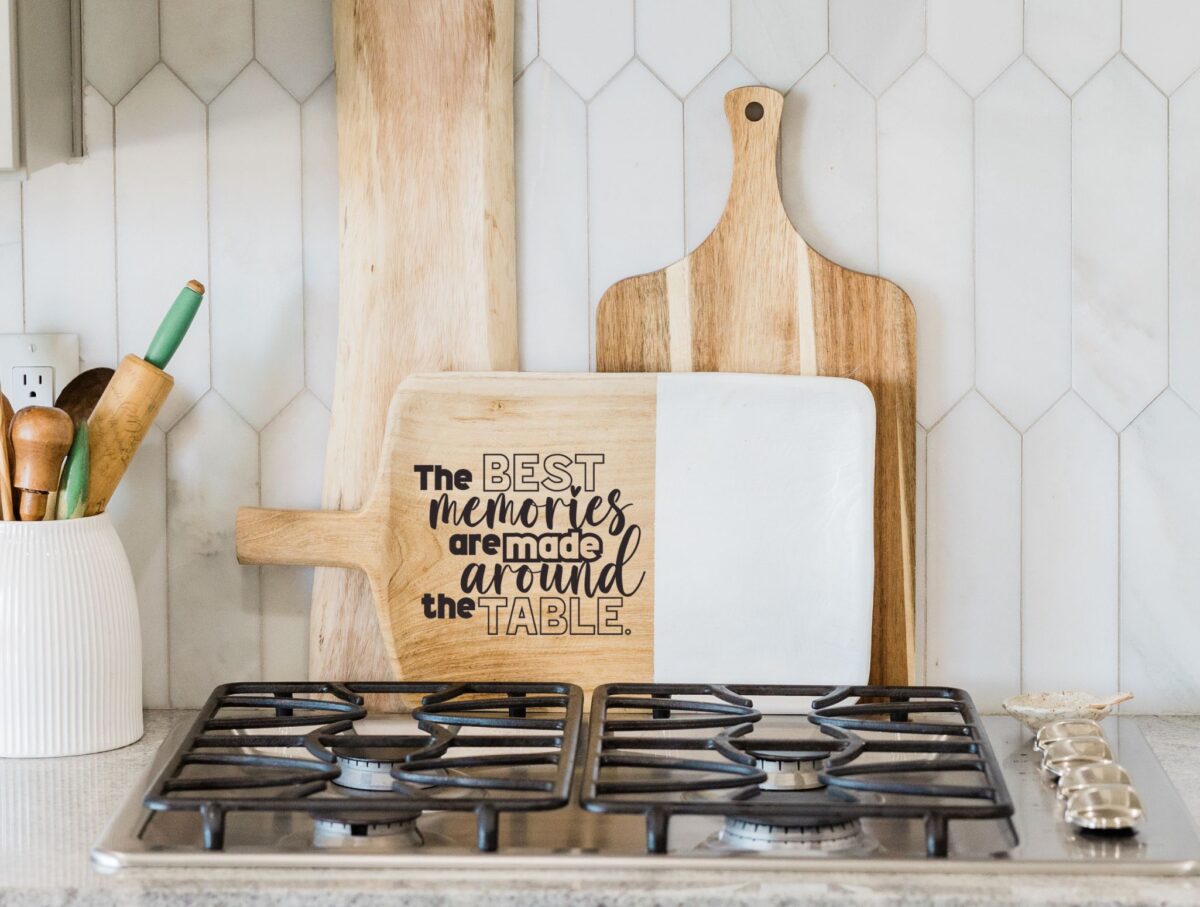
[754,115]
[323,538]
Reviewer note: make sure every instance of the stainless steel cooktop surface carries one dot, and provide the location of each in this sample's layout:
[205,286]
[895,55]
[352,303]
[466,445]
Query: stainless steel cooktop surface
[1035,839]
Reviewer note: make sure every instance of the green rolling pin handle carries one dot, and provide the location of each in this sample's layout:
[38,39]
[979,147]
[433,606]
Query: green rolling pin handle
[176,323]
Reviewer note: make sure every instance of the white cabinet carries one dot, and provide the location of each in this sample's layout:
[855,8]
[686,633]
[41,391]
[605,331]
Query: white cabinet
[41,85]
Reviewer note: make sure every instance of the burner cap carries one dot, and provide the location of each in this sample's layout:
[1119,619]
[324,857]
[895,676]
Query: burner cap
[364,768]
[339,828]
[790,771]
[795,835]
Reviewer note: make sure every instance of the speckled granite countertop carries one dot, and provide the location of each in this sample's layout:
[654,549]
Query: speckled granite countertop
[51,811]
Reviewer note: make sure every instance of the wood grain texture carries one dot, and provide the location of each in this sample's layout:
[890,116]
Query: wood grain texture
[753,297]
[454,420]
[41,437]
[6,459]
[120,420]
[427,269]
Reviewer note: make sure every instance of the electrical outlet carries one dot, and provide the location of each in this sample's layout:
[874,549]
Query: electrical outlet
[34,385]
[35,367]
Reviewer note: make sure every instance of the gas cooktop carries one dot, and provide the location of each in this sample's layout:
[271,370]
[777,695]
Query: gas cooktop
[515,774]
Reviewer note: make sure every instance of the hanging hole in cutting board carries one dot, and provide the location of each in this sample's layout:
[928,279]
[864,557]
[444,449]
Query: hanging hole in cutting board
[754,111]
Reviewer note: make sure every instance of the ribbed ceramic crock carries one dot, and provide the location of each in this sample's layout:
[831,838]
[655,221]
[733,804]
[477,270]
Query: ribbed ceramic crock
[71,663]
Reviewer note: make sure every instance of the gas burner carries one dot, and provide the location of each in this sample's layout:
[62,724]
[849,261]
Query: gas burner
[795,836]
[368,768]
[341,828]
[791,771]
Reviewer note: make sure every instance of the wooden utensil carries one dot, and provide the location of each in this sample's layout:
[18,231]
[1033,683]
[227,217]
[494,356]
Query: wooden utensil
[41,438]
[82,392]
[72,489]
[6,460]
[427,267]
[123,415]
[586,527]
[754,297]
[131,401]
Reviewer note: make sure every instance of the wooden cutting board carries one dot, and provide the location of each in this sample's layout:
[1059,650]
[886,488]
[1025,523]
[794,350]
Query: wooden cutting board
[753,297]
[589,528]
[427,267]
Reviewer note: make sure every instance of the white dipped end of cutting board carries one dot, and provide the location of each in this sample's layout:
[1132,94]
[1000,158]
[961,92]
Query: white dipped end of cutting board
[764,505]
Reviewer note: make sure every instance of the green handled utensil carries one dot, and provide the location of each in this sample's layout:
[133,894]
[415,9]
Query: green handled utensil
[72,490]
[176,323]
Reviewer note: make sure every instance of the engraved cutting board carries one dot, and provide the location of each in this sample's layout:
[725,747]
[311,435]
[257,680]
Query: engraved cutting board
[593,527]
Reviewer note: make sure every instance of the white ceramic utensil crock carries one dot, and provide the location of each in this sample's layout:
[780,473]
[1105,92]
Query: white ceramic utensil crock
[71,662]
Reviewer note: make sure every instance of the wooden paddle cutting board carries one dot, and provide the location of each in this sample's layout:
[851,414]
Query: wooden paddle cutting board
[427,259]
[753,297]
[589,528]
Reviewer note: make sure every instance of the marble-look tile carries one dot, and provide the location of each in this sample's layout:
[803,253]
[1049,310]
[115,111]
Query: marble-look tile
[922,604]
[1072,39]
[780,40]
[215,615]
[120,44]
[708,149]
[682,40]
[1160,573]
[635,178]
[1184,184]
[828,165]
[926,226]
[255,212]
[1160,37]
[139,511]
[1119,201]
[12,290]
[208,43]
[876,40]
[1023,214]
[552,212]
[319,196]
[161,167]
[586,43]
[973,581]
[70,283]
[974,42]
[525,39]
[10,211]
[293,464]
[293,39]
[1069,551]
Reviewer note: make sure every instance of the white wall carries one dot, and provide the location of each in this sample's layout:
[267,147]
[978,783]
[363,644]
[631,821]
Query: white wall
[1030,175]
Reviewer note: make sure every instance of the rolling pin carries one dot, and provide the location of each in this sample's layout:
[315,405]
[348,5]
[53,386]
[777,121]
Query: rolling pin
[131,401]
[41,437]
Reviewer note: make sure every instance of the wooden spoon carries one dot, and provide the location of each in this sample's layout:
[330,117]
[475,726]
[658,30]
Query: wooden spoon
[1115,699]
[79,397]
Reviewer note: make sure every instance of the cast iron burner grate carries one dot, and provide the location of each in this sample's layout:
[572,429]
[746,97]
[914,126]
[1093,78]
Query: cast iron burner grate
[216,771]
[888,753]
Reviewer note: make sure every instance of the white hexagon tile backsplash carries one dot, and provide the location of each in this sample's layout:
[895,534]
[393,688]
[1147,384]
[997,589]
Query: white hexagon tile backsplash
[1031,180]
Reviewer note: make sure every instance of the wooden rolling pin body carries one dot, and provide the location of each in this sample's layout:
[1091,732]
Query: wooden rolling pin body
[122,417]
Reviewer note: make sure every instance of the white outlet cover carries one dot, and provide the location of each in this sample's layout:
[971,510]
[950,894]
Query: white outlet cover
[57,351]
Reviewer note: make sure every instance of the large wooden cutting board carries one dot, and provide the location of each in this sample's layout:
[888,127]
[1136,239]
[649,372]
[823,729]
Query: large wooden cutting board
[753,297]
[588,528]
[427,273]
